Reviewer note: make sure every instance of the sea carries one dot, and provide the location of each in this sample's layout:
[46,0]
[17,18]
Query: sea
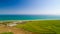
[28,17]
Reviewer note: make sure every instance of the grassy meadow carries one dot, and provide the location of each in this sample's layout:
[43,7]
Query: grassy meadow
[42,27]
[32,27]
[6,33]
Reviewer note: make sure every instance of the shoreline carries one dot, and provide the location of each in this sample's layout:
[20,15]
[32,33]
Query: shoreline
[30,20]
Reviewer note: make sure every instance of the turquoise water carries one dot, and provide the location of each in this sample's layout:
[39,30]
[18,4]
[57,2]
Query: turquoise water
[27,17]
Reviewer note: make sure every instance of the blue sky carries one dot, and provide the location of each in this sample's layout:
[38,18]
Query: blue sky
[45,7]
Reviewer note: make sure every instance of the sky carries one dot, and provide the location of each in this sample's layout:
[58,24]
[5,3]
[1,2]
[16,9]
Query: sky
[33,7]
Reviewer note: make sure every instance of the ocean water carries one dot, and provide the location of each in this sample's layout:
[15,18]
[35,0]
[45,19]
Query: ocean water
[27,17]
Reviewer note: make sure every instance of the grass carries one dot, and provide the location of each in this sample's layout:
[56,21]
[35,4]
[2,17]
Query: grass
[44,27]
[7,33]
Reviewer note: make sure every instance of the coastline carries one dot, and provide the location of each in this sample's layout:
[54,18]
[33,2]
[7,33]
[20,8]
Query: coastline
[31,26]
[29,20]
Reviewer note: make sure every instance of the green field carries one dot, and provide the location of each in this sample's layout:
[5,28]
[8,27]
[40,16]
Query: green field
[6,33]
[42,27]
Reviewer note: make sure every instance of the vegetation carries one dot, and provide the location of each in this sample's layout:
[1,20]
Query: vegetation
[7,33]
[44,27]
[5,23]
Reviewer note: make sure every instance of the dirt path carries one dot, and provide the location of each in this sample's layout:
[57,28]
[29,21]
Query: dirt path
[19,31]
[14,30]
